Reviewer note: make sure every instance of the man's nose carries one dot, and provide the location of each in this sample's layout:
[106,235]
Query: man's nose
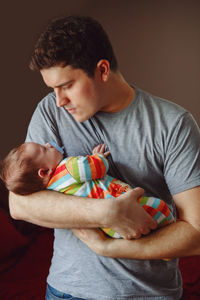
[61,99]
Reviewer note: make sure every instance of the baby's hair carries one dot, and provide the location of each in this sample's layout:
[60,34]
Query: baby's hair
[19,172]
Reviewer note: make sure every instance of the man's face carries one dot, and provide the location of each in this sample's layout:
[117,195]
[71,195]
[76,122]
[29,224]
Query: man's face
[46,156]
[79,94]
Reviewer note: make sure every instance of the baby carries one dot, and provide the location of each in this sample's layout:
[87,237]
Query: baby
[32,167]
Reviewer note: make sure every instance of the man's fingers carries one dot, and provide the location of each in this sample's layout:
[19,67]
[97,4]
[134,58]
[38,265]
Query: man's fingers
[133,236]
[80,233]
[139,192]
[144,231]
[154,224]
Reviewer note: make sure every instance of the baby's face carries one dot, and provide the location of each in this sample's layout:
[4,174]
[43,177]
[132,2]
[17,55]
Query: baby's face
[46,156]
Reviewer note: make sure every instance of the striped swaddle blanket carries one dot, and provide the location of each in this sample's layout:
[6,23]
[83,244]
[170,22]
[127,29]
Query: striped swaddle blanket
[86,177]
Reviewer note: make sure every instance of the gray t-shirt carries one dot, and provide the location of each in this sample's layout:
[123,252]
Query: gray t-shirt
[154,144]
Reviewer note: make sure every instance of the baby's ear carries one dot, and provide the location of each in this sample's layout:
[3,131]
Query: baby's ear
[44,172]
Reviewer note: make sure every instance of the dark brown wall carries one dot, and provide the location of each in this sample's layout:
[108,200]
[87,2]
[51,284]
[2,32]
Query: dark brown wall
[157,44]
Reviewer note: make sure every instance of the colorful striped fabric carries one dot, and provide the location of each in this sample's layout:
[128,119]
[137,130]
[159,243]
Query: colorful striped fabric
[86,177]
[158,210]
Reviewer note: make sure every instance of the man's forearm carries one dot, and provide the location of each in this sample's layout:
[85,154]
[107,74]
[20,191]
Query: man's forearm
[56,210]
[176,240]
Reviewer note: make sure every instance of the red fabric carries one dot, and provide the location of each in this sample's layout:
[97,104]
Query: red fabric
[190,269]
[24,274]
[26,277]
[13,243]
[25,255]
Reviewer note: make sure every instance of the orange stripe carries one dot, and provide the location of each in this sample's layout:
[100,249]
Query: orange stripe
[92,167]
[164,208]
[103,168]
[150,210]
[58,176]
[97,193]
[96,160]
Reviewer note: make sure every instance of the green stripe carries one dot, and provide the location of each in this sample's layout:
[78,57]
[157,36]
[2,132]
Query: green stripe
[76,173]
[144,200]
[111,232]
[73,190]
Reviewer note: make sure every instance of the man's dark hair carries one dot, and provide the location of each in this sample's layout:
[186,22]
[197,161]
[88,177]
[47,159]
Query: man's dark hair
[73,40]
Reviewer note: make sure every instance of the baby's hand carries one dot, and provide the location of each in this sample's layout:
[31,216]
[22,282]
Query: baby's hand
[99,149]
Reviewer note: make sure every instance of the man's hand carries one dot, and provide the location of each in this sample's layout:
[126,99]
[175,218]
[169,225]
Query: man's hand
[95,239]
[128,218]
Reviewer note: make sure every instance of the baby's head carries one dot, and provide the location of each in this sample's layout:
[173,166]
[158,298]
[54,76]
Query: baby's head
[28,167]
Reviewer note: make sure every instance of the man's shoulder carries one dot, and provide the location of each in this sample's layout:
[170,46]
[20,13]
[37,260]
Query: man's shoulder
[159,110]
[49,101]
[158,103]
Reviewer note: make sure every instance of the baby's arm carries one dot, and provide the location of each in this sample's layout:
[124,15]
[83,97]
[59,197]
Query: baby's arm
[90,167]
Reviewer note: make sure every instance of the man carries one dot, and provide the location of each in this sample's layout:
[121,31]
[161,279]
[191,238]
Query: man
[154,144]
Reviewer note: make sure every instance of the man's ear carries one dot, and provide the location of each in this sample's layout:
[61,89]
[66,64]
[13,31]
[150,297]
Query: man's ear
[103,66]
[44,172]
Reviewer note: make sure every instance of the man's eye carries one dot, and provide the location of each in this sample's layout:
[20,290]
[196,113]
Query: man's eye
[67,87]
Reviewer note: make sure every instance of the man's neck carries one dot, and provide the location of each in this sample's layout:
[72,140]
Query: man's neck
[119,94]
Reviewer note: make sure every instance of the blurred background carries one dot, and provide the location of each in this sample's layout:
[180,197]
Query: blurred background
[157,44]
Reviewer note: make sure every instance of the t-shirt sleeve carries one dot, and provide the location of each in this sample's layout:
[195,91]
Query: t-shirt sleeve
[86,168]
[182,155]
[43,125]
